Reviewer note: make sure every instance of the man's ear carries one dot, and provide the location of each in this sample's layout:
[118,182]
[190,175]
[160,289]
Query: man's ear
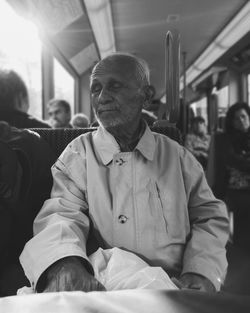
[149,92]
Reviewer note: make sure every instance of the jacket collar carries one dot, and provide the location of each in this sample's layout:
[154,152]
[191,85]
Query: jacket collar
[106,145]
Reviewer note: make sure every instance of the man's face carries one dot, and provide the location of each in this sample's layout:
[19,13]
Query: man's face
[117,95]
[58,117]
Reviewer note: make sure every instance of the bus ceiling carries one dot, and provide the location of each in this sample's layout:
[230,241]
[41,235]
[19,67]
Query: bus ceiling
[80,32]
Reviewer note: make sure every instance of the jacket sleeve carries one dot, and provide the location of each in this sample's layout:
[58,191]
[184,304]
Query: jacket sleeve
[205,252]
[61,227]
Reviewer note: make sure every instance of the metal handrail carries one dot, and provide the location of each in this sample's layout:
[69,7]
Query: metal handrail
[172,75]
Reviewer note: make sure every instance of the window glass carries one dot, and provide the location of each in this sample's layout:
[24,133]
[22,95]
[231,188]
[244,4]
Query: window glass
[64,84]
[200,108]
[20,50]
[222,97]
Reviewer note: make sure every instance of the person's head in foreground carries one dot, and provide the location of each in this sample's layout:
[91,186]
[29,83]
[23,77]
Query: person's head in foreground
[13,91]
[120,88]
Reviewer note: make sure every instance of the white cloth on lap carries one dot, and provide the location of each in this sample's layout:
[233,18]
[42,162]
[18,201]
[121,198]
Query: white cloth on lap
[117,269]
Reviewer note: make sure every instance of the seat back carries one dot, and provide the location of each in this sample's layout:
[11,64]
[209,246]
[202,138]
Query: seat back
[59,138]
[11,172]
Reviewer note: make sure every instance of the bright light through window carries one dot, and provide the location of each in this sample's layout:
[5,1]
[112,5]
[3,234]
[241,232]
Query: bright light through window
[200,108]
[20,50]
[64,84]
[222,96]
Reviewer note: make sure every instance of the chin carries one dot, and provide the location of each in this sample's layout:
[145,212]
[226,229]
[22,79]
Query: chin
[57,126]
[109,123]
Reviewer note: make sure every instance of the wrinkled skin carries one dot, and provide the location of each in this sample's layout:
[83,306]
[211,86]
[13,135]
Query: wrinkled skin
[118,94]
[69,274]
[195,282]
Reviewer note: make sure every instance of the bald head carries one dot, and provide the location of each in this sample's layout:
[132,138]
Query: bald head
[126,63]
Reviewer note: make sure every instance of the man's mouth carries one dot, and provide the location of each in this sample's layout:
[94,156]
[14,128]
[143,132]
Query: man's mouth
[106,110]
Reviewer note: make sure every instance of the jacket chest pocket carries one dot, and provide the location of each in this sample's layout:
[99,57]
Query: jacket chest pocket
[156,223]
[157,205]
[168,220]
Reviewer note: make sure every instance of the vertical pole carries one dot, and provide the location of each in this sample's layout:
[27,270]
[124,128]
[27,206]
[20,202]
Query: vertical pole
[184,111]
[172,76]
[47,80]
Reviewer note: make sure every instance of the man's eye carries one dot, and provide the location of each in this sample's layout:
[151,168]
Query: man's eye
[115,85]
[96,88]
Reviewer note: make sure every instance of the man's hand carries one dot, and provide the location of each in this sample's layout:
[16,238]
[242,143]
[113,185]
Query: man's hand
[69,274]
[194,281]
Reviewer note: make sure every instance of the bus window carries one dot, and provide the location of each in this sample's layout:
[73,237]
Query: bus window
[222,96]
[17,53]
[64,84]
[200,108]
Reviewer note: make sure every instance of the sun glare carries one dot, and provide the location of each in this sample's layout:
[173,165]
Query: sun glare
[18,37]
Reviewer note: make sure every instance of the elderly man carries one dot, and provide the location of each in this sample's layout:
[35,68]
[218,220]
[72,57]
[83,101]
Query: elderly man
[125,186]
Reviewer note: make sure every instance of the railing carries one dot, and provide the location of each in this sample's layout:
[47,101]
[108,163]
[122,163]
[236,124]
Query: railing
[172,75]
[170,113]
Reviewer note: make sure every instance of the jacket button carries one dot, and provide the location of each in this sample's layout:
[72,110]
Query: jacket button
[120,161]
[122,219]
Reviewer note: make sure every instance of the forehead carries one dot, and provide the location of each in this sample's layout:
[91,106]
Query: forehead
[240,112]
[56,106]
[124,69]
[199,123]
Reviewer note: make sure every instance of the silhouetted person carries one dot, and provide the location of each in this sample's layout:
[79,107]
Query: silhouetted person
[25,183]
[14,102]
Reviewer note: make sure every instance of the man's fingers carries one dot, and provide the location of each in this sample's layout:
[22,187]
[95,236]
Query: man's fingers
[93,285]
[185,285]
[177,282]
[100,287]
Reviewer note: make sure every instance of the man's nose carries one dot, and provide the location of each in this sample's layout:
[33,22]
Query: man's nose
[104,96]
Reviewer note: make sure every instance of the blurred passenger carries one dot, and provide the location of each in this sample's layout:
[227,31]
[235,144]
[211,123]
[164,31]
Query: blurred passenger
[237,160]
[148,113]
[149,117]
[59,112]
[80,120]
[197,142]
[125,186]
[14,102]
[25,183]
